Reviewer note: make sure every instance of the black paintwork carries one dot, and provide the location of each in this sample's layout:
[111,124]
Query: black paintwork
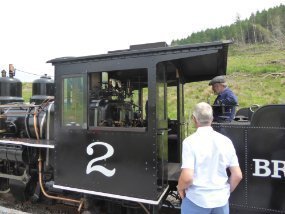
[262,138]
[10,90]
[43,88]
[140,154]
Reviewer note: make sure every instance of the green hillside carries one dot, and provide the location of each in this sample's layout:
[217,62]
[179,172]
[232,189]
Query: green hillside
[256,73]
[256,60]
[266,26]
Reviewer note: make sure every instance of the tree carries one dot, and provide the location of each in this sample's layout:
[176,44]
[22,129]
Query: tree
[265,26]
[238,22]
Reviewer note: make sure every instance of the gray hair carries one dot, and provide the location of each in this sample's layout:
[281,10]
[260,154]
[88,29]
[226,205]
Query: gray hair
[203,113]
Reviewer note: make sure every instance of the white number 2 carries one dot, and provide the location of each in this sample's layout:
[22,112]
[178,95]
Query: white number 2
[102,169]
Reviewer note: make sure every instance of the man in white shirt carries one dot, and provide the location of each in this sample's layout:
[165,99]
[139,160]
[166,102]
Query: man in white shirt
[203,184]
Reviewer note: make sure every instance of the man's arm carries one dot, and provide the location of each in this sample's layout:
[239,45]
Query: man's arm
[185,180]
[230,98]
[231,101]
[235,178]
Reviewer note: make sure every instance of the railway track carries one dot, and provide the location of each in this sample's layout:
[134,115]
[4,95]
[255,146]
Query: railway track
[9,205]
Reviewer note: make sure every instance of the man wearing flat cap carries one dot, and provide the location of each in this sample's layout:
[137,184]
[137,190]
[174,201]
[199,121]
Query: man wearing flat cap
[225,104]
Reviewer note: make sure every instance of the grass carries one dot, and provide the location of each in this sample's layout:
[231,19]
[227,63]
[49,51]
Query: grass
[26,91]
[256,59]
[261,89]
[250,88]
[256,73]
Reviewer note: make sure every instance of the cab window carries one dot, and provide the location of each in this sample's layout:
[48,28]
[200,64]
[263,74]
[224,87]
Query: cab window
[73,102]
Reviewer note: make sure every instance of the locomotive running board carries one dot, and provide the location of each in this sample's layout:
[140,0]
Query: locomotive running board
[30,143]
[113,195]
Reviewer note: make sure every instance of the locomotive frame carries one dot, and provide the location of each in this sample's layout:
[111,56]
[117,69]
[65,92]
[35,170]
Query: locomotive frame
[107,137]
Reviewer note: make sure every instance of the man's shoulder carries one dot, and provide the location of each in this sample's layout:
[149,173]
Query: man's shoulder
[191,138]
[188,139]
[228,91]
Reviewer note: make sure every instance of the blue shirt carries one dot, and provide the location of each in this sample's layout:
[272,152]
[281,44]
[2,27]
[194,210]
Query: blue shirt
[225,106]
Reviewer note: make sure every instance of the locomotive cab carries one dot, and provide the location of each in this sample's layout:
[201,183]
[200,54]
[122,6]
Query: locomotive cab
[112,116]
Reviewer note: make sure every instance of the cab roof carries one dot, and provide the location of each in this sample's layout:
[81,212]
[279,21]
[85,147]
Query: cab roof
[195,62]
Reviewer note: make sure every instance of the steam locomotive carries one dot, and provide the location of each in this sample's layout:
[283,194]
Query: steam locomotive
[99,136]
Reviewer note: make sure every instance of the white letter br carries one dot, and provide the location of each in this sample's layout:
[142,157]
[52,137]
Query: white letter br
[262,168]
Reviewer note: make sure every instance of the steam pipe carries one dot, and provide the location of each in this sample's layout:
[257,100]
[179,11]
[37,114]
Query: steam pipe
[80,202]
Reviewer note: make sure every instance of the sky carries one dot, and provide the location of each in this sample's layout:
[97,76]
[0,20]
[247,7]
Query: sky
[35,31]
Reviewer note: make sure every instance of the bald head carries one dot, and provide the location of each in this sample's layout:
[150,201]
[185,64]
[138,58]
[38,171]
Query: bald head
[203,114]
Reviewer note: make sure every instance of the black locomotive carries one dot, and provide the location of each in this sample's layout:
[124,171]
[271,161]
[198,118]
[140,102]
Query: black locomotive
[99,136]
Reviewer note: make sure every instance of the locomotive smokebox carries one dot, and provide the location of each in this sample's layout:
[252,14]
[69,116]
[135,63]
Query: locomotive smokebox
[43,88]
[10,89]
